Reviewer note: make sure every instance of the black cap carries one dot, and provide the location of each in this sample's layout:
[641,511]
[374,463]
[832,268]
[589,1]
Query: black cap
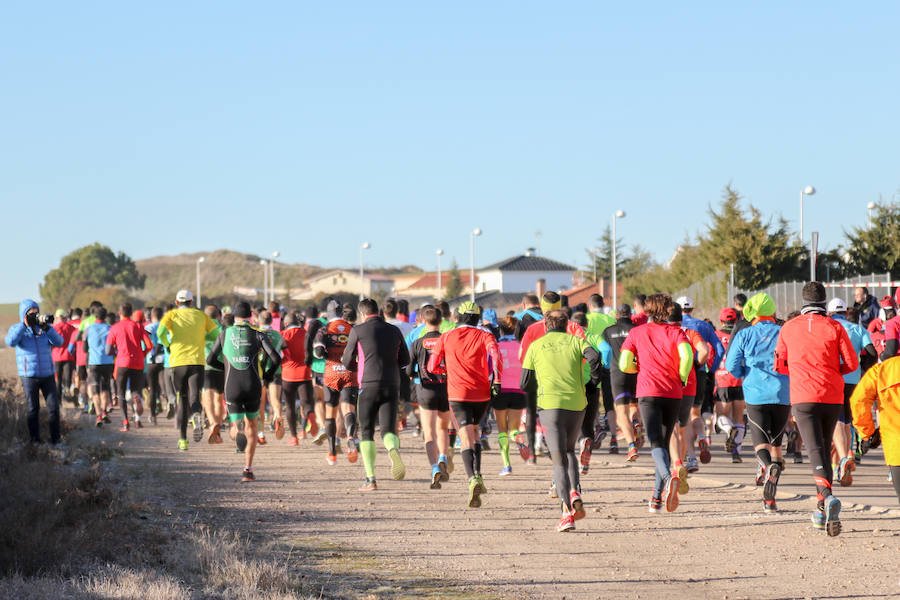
[814,293]
[242,310]
[624,310]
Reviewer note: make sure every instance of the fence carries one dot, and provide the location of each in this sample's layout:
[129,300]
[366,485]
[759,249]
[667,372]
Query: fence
[715,291]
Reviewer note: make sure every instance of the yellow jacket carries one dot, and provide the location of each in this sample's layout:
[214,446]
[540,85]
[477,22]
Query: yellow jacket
[880,385]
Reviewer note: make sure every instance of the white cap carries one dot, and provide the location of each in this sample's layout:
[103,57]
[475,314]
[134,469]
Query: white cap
[836,305]
[184,296]
[685,302]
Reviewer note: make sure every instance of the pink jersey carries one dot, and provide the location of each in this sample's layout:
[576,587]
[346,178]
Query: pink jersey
[512,366]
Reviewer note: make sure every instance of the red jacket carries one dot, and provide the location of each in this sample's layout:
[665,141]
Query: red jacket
[293,355]
[815,351]
[61,353]
[131,342]
[466,352]
[539,329]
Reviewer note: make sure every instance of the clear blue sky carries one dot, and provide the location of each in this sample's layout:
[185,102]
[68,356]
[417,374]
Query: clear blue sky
[309,128]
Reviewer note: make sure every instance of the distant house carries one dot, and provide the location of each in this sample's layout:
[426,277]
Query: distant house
[345,280]
[583,293]
[427,285]
[519,274]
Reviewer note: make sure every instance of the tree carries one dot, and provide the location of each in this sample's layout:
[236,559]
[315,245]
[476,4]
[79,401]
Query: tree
[601,255]
[876,249]
[454,286]
[89,266]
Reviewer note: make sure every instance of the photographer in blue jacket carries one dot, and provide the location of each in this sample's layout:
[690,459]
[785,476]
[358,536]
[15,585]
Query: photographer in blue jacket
[32,339]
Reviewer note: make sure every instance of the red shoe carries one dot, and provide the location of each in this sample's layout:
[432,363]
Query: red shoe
[279,429]
[293,441]
[352,452]
[313,426]
[125,425]
[261,440]
[567,523]
[585,455]
[577,506]
[670,493]
[705,456]
[331,459]
[524,451]
[632,454]
[301,434]
[369,485]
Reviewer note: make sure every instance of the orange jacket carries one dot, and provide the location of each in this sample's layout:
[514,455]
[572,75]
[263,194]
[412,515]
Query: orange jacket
[881,385]
[815,351]
[470,357]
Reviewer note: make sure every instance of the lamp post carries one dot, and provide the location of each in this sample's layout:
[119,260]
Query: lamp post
[362,285]
[275,255]
[807,191]
[871,207]
[199,301]
[265,266]
[440,288]
[475,233]
[619,214]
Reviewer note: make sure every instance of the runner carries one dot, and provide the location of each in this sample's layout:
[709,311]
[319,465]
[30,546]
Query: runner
[156,384]
[100,365]
[317,367]
[729,393]
[662,357]
[553,369]
[341,389]
[240,345]
[390,316]
[296,376]
[213,395]
[862,346]
[530,314]
[815,351]
[79,383]
[639,317]
[878,388]
[378,350]
[623,385]
[597,322]
[130,344]
[750,357]
[63,358]
[271,381]
[183,330]
[431,393]
[474,371]
[510,402]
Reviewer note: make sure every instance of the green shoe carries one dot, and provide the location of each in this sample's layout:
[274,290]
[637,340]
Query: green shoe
[398,469]
[183,445]
[474,493]
[481,488]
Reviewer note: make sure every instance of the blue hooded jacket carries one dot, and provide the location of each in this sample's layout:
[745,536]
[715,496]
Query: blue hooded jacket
[751,356]
[32,349]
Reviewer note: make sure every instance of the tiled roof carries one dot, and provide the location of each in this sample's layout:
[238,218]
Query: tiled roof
[528,263]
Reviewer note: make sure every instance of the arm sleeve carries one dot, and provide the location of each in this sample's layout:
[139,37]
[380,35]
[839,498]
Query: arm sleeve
[212,359]
[319,343]
[148,344]
[528,380]
[270,352]
[685,361]
[605,354]
[849,358]
[437,356]
[403,359]
[14,335]
[348,359]
[861,402]
[494,353]
[413,360]
[627,362]
[593,359]
[162,334]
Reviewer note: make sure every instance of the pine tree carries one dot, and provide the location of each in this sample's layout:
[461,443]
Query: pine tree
[876,249]
[454,287]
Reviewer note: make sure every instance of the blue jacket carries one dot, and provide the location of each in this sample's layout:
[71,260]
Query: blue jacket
[860,338]
[32,345]
[708,333]
[751,356]
[95,340]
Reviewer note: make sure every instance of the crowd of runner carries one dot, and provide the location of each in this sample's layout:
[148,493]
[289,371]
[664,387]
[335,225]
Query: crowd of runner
[559,380]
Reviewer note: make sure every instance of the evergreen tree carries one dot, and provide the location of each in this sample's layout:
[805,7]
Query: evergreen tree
[876,249]
[601,255]
[454,287]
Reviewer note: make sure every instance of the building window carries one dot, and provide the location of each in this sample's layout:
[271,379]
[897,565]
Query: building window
[334,281]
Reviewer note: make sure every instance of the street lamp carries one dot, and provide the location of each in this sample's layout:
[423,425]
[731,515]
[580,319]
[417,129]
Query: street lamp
[275,255]
[199,301]
[265,266]
[440,288]
[807,191]
[871,207]
[475,232]
[362,289]
[619,214]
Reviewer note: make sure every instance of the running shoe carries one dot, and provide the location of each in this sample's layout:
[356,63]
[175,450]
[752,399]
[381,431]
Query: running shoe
[691,464]
[442,465]
[577,505]
[197,423]
[597,441]
[845,471]
[584,457]
[106,418]
[736,457]
[247,476]
[99,421]
[670,493]
[398,469]
[792,442]
[474,500]
[566,523]
[183,445]
[705,455]
[331,459]
[484,443]
[449,463]
[369,486]
[279,428]
[505,472]
[552,493]
[681,473]
[153,419]
[832,516]
[585,469]
[126,426]
[240,442]
[760,474]
[613,446]
[213,434]
[655,505]
[481,487]
[769,507]
[352,452]
[632,453]
[818,519]
[770,485]
[319,438]
[337,447]
[293,441]
[435,478]
[312,427]
[729,441]
[798,458]
[261,439]
[170,412]
[638,433]
[524,452]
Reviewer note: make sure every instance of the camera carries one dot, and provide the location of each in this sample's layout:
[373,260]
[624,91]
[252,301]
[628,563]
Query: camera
[45,321]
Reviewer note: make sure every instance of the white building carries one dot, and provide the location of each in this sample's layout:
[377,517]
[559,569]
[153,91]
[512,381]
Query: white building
[520,274]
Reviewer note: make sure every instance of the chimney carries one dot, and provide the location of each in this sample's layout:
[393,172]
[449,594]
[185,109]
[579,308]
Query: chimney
[541,288]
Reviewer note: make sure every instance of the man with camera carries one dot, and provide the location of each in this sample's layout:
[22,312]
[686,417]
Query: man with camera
[33,339]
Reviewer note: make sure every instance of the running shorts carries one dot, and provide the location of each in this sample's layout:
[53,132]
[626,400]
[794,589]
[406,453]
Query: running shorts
[684,410]
[214,380]
[347,395]
[99,377]
[432,397]
[846,414]
[82,373]
[509,401]
[469,413]
[729,394]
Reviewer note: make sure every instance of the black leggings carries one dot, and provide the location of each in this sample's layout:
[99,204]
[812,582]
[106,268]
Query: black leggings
[767,422]
[154,386]
[64,370]
[561,428]
[659,416]
[592,394]
[377,403]
[816,423]
[289,392]
[188,380]
[129,379]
